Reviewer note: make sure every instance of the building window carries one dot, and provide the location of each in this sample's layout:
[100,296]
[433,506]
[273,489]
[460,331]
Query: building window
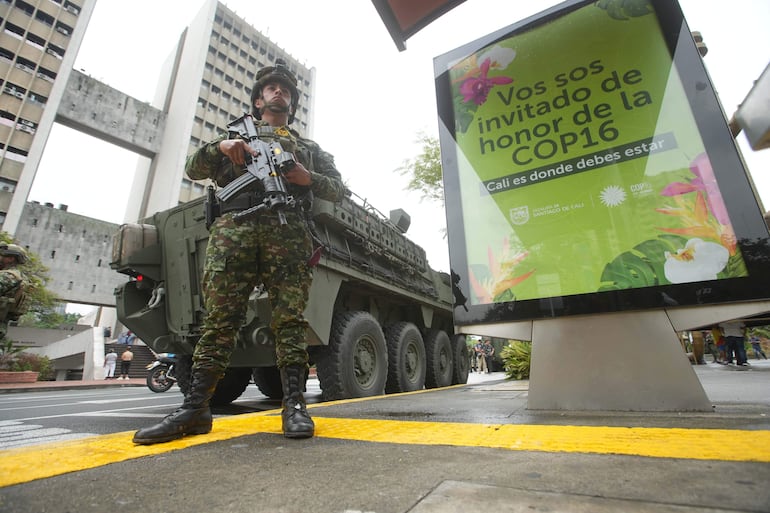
[93,288]
[44,18]
[37,98]
[14,31]
[25,64]
[14,90]
[35,41]
[55,51]
[62,28]
[24,6]
[7,185]
[69,286]
[15,154]
[74,9]
[45,74]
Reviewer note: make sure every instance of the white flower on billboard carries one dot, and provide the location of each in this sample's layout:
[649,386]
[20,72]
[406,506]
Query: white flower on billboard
[498,56]
[697,261]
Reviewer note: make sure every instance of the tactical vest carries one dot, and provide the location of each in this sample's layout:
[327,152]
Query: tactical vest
[15,303]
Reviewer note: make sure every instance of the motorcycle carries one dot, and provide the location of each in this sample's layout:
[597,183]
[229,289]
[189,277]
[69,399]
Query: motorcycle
[161,375]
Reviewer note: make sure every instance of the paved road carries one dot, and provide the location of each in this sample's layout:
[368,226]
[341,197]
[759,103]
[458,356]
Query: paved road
[468,448]
[31,417]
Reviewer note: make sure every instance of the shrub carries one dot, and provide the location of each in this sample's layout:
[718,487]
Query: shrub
[36,363]
[516,358]
[9,355]
[16,360]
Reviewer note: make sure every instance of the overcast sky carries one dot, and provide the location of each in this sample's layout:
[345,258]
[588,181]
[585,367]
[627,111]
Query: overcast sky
[371,99]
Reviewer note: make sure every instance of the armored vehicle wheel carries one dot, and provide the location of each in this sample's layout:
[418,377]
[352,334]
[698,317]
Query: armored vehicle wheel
[268,380]
[355,364]
[406,358]
[231,386]
[439,353]
[462,362]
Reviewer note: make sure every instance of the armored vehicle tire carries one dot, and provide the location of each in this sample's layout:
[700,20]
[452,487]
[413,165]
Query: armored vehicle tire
[231,386]
[355,364]
[461,366]
[268,381]
[439,354]
[406,358]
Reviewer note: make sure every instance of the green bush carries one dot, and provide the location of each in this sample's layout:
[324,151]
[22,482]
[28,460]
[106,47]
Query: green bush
[16,360]
[516,357]
[36,363]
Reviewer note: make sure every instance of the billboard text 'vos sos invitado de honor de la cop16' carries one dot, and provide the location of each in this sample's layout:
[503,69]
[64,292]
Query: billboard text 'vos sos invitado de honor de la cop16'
[588,168]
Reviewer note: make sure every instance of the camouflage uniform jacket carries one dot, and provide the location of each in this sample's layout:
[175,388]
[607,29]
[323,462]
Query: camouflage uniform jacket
[326,181]
[13,285]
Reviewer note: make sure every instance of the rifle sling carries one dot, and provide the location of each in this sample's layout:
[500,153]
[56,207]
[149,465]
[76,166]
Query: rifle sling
[243,201]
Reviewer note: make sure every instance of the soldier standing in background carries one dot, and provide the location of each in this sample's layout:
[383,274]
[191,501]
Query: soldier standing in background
[258,250]
[13,285]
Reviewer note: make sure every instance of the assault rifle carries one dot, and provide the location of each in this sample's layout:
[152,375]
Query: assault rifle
[267,166]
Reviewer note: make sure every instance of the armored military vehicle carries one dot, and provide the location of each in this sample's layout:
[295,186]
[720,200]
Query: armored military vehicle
[380,318]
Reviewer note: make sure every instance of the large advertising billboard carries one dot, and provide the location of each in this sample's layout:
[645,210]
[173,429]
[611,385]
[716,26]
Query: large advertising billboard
[588,167]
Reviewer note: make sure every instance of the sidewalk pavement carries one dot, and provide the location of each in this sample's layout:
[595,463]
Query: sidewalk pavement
[68,384]
[466,448]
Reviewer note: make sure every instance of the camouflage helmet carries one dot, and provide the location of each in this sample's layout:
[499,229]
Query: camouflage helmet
[278,73]
[14,251]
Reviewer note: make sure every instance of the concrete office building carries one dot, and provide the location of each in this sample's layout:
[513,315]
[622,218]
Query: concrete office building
[206,82]
[38,45]
[77,250]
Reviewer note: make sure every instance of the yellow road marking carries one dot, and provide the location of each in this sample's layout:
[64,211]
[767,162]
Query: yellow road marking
[25,464]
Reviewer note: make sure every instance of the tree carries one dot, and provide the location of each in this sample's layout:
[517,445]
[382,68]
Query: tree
[41,301]
[425,169]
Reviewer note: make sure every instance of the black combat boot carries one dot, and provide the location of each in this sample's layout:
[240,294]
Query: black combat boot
[296,420]
[192,418]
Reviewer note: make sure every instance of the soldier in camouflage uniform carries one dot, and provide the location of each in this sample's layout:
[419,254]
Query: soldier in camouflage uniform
[13,285]
[259,250]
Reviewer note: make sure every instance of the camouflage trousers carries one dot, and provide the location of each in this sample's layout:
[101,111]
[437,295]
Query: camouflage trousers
[241,256]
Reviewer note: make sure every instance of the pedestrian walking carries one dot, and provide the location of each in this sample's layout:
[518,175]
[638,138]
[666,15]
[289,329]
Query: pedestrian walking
[110,361]
[734,332]
[756,346]
[125,363]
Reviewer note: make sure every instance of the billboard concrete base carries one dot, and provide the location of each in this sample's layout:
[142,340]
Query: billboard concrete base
[615,362]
